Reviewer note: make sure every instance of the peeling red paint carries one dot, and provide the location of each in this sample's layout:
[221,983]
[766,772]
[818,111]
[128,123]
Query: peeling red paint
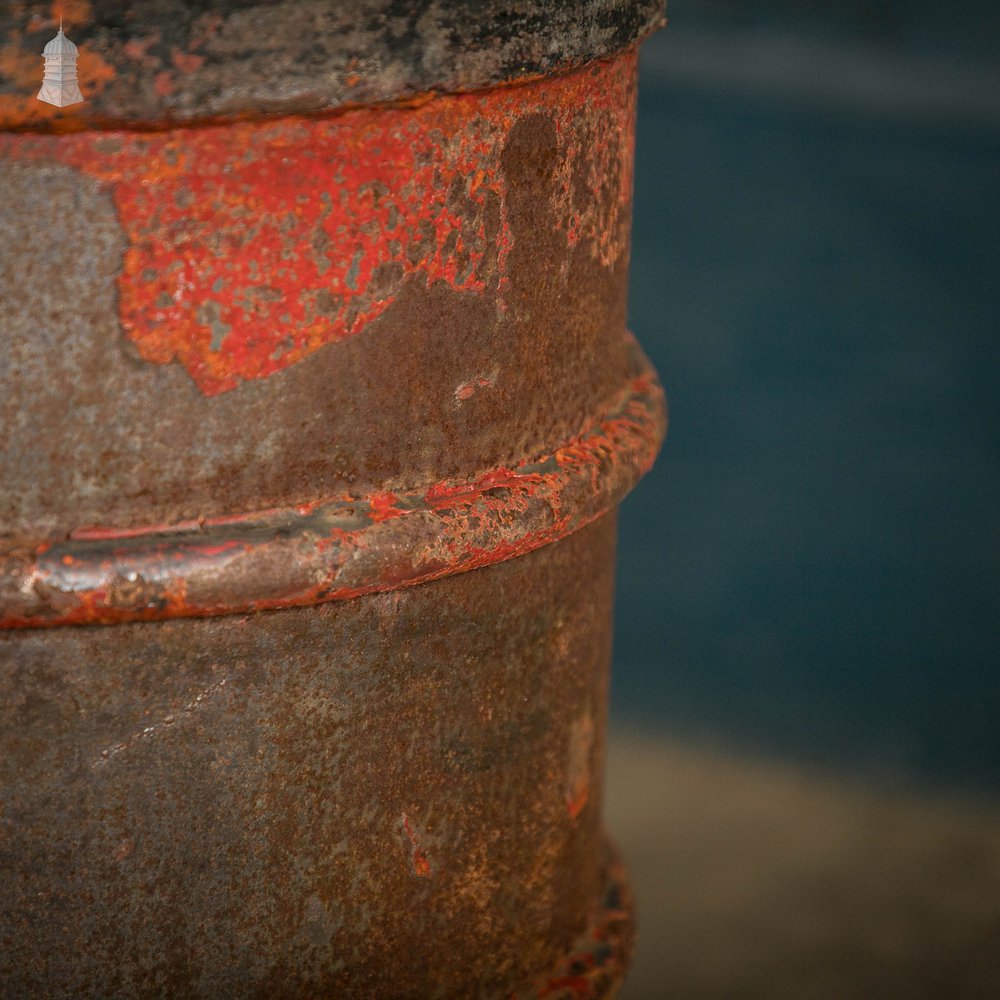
[340,548]
[251,246]
[383,507]
[239,248]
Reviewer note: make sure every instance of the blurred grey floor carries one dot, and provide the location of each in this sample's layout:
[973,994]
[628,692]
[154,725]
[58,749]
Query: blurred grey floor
[758,879]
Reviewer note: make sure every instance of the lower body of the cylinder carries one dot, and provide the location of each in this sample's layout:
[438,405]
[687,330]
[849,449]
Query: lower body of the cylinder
[397,795]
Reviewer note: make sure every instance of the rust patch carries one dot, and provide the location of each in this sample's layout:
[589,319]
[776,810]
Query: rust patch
[342,547]
[268,854]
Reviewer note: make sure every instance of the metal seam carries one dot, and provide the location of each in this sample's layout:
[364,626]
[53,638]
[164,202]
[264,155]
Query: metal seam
[342,547]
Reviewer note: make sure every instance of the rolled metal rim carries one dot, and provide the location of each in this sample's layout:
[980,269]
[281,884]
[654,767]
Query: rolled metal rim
[339,547]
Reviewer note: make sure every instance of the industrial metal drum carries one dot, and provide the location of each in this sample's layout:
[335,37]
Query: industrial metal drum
[316,403]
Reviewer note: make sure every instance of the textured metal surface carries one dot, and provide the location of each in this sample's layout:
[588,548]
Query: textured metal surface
[395,796]
[599,958]
[144,62]
[228,318]
[338,550]
[295,366]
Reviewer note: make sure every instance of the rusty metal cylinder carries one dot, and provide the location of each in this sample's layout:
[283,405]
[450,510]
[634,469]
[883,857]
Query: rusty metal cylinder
[316,402]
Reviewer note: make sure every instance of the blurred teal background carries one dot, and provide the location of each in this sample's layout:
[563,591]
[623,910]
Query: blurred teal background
[810,571]
[804,764]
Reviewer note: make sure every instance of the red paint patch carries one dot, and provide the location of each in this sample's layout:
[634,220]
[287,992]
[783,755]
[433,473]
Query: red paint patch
[252,245]
[382,507]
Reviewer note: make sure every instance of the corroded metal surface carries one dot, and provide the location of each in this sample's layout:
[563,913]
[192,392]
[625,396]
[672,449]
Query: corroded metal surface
[394,796]
[150,63]
[317,423]
[265,289]
[599,959]
[337,550]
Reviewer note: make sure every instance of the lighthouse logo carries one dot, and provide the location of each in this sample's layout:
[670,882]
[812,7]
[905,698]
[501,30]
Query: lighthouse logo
[60,86]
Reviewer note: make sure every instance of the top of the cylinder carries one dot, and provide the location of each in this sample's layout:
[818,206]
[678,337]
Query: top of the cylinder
[147,65]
